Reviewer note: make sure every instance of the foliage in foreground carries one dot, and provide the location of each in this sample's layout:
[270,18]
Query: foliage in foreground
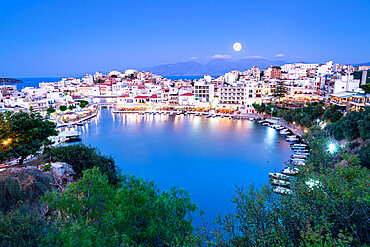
[22,226]
[22,185]
[82,157]
[25,134]
[93,213]
[325,209]
[353,125]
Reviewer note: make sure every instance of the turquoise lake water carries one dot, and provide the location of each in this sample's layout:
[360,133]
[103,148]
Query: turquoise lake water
[205,156]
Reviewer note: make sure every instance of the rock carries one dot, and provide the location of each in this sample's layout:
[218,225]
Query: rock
[62,172]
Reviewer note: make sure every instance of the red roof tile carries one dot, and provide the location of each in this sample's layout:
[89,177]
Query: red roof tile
[187,94]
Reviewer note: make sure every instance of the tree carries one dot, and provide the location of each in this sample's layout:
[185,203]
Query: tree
[280,90]
[366,87]
[70,107]
[62,108]
[83,103]
[94,213]
[23,134]
[82,157]
[50,110]
[325,209]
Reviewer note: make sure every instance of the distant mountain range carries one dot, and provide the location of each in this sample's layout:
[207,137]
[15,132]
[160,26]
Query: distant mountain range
[213,67]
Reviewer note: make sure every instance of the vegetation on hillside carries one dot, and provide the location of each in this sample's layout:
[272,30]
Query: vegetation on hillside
[22,134]
[329,206]
[94,213]
[82,157]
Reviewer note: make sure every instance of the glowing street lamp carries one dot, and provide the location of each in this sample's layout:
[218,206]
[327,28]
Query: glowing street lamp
[317,121]
[6,142]
[332,148]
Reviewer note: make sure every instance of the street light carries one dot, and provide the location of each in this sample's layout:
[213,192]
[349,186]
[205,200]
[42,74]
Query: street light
[6,142]
[317,121]
[332,147]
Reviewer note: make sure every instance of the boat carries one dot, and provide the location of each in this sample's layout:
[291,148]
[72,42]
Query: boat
[299,163]
[282,190]
[278,176]
[292,139]
[299,145]
[260,121]
[251,119]
[301,151]
[298,156]
[265,124]
[290,171]
[68,136]
[284,132]
[297,160]
[278,182]
[79,124]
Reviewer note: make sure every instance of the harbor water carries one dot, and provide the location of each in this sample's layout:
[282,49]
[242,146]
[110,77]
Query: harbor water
[208,157]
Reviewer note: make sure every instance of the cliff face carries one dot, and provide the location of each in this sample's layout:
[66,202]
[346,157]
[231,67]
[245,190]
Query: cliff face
[9,80]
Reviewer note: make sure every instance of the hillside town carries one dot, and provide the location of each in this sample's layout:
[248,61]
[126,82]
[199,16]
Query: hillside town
[234,92]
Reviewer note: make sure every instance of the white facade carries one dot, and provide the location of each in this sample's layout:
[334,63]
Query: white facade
[204,92]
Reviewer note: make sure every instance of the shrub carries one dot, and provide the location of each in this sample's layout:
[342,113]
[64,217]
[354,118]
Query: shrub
[25,185]
[82,157]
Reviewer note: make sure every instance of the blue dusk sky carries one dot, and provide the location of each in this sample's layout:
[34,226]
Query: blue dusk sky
[74,37]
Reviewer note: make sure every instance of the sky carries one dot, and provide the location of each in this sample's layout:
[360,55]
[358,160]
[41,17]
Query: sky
[71,38]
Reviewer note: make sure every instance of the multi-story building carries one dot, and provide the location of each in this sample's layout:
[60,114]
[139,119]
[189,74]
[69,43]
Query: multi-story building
[204,92]
[232,95]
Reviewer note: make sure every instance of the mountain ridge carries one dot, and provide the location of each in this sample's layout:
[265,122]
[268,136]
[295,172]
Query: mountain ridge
[213,67]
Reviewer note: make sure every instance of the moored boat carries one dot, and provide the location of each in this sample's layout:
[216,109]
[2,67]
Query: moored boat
[290,171]
[282,190]
[278,182]
[278,176]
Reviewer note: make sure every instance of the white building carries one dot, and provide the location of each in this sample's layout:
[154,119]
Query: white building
[204,92]
[186,99]
[346,84]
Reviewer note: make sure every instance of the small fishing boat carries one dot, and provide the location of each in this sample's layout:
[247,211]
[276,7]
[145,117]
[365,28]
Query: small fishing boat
[278,176]
[278,182]
[282,190]
[299,163]
[299,145]
[290,171]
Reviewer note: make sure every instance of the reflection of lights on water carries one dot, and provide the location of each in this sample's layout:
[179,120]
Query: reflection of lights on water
[270,135]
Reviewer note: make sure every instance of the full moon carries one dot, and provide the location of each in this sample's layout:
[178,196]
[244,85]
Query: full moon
[237,46]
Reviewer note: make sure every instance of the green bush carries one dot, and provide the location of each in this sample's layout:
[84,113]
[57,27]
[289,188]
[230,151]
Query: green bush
[82,157]
[25,185]
[94,213]
[62,108]
[331,213]
[21,227]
